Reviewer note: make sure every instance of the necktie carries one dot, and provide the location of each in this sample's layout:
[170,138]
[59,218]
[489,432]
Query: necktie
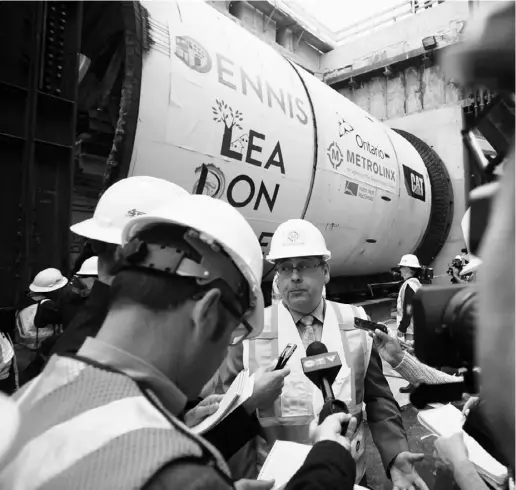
[308,335]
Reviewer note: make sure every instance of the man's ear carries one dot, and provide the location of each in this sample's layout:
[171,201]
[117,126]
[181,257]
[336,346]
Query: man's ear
[205,314]
[326,273]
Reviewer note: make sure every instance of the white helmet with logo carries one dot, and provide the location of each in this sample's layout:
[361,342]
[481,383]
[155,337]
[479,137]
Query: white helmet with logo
[409,260]
[48,280]
[123,201]
[297,238]
[216,221]
[474,261]
[89,267]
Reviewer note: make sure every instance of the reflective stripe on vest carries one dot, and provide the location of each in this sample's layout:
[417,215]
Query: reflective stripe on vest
[415,285]
[84,427]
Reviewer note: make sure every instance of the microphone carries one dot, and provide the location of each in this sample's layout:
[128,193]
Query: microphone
[321,368]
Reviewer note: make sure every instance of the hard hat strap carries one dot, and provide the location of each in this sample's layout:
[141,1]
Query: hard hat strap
[194,258]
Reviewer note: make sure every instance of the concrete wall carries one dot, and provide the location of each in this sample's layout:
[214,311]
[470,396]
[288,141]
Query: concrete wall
[415,89]
[445,22]
[257,23]
[440,129]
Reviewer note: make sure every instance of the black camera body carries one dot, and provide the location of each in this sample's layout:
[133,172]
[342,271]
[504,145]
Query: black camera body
[425,275]
[444,325]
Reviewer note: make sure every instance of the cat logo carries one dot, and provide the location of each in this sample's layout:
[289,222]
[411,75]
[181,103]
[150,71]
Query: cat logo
[417,184]
[414,183]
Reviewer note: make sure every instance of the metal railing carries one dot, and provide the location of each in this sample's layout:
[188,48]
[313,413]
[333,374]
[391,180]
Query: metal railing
[391,15]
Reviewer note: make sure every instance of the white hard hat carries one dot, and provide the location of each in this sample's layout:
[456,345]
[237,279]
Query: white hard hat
[409,260]
[89,267]
[123,201]
[458,257]
[297,238]
[224,224]
[9,424]
[48,280]
[474,261]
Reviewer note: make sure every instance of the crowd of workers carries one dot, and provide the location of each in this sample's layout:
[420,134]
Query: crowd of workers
[140,346]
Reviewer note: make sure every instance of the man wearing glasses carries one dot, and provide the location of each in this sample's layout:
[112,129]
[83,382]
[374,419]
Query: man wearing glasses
[303,316]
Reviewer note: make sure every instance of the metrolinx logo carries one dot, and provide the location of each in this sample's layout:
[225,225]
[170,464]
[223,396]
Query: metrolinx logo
[335,155]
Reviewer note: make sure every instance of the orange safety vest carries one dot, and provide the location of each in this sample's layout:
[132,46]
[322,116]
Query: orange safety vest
[301,401]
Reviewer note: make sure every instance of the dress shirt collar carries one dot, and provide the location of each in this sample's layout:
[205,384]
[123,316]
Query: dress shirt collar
[318,313]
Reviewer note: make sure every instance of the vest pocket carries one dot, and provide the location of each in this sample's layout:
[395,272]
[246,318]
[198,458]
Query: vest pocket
[296,401]
[270,412]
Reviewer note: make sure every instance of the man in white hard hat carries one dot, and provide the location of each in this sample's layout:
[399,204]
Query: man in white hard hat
[86,276]
[187,286]
[40,314]
[40,318]
[409,267]
[122,202]
[301,257]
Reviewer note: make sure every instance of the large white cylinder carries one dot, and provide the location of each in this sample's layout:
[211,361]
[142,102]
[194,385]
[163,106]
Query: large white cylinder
[277,143]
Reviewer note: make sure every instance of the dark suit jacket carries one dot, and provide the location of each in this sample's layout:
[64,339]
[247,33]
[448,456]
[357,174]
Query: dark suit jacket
[233,432]
[328,467]
[383,413]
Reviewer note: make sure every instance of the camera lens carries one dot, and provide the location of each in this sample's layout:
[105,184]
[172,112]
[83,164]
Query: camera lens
[459,320]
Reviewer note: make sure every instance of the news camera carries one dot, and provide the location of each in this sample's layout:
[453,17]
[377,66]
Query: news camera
[445,316]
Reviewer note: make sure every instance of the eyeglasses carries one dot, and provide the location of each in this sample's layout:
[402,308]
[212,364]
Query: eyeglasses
[286,270]
[241,333]
[243,330]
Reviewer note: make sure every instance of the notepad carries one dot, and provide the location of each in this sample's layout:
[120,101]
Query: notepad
[240,390]
[283,461]
[446,421]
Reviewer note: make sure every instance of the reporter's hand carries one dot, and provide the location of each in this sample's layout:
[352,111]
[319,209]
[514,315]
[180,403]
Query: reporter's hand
[388,347]
[330,429]
[452,450]
[254,484]
[268,385]
[471,403]
[202,410]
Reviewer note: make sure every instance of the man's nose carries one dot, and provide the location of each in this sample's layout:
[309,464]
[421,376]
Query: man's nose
[296,276]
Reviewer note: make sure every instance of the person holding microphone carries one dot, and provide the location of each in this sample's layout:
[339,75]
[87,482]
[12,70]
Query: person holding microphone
[303,316]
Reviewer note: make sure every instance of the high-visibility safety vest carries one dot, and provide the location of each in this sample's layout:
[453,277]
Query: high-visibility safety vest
[86,427]
[415,285]
[290,417]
